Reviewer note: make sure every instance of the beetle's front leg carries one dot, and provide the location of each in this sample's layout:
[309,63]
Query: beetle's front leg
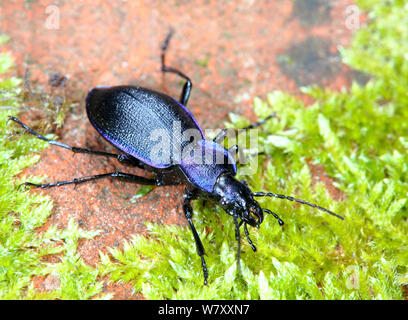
[223,133]
[247,235]
[238,238]
[188,212]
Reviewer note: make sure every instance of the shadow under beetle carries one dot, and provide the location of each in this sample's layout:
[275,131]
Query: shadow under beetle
[126,116]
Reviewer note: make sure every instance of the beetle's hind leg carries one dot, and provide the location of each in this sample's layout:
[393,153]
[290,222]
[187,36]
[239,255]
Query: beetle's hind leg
[185,94]
[239,155]
[122,158]
[125,176]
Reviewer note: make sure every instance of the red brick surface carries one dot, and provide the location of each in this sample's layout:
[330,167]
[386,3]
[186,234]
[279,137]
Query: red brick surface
[232,50]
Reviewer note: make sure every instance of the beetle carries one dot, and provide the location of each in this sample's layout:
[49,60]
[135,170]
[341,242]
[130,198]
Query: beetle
[128,117]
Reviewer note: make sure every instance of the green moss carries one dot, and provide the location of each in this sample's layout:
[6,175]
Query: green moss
[23,251]
[360,138]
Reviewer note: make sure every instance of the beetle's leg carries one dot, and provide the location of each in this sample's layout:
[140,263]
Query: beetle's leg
[224,132]
[238,154]
[238,238]
[259,123]
[120,175]
[188,212]
[120,157]
[248,238]
[280,221]
[185,94]
[234,149]
[242,158]
[247,235]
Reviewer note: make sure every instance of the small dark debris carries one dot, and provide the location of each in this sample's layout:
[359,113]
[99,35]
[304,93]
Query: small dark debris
[57,80]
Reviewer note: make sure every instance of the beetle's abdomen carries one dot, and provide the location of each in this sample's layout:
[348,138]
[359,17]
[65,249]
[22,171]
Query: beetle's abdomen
[144,123]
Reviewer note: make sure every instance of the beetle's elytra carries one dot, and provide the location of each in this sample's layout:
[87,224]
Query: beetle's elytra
[129,116]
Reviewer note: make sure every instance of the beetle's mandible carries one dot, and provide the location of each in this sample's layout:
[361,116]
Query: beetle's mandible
[128,117]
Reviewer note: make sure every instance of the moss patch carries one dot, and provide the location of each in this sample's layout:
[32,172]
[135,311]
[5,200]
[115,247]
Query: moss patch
[24,252]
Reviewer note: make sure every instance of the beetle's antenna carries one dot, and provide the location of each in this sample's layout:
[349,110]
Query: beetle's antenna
[280,221]
[281,196]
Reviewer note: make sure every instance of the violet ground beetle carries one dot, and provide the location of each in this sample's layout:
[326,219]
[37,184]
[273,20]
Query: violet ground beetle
[126,116]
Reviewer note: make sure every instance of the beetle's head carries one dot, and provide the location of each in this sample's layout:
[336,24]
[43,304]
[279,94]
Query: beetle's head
[236,198]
